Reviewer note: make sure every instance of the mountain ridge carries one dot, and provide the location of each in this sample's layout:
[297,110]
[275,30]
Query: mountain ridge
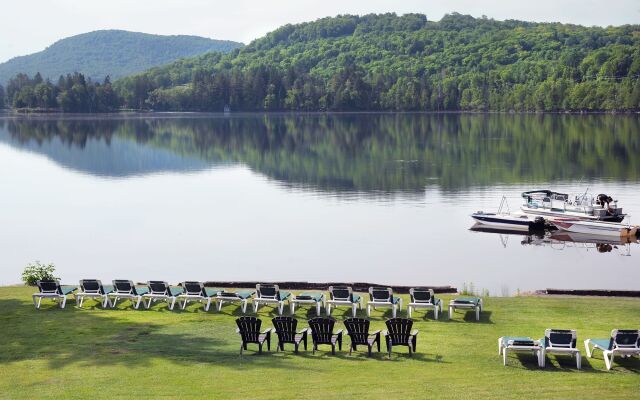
[112,52]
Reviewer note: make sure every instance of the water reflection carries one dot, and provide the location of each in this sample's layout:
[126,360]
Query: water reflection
[561,240]
[364,153]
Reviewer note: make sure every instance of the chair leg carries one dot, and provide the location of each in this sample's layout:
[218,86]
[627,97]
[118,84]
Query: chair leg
[64,301]
[477,313]
[328,310]
[39,302]
[608,361]
[504,356]
[579,360]
[409,311]
[587,349]
[354,310]
[435,312]
[368,310]
[292,308]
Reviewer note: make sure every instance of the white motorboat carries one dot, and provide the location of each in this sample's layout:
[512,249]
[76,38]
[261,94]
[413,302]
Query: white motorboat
[519,222]
[600,228]
[553,205]
[507,220]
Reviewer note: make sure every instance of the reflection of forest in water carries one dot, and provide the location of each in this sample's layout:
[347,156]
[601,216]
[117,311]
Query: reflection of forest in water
[366,152]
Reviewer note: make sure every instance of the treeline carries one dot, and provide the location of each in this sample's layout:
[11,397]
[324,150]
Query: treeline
[72,93]
[405,63]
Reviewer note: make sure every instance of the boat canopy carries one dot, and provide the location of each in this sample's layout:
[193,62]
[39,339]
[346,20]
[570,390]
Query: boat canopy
[545,193]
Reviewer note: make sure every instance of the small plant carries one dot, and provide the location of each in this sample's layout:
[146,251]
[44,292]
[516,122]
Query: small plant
[36,272]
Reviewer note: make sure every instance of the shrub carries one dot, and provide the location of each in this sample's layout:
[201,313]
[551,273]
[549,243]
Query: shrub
[37,271]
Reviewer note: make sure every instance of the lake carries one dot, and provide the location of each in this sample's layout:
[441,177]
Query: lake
[379,198]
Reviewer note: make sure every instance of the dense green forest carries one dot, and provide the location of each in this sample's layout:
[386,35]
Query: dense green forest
[72,93]
[110,52]
[404,63]
[389,62]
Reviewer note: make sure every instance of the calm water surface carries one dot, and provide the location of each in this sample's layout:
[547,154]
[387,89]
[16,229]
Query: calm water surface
[350,197]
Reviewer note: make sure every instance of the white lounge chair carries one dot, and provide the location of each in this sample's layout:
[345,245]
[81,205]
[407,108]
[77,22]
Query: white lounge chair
[424,298]
[125,289]
[519,344]
[240,296]
[195,291]
[93,289]
[560,341]
[343,296]
[161,291]
[269,294]
[316,299]
[466,303]
[383,297]
[623,342]
[52,290]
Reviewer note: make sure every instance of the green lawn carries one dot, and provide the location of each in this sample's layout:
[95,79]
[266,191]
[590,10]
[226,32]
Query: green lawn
[158,353]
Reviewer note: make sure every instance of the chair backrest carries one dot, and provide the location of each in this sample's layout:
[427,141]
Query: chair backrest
[322,329]
[122,286]
[341,293]
[285,328]
[398,330]
[381,294]
[249,328]
[49,286]
[625,338]
[91,286]
[560,338]
[158,287]
[268,291]
[421,295]
[358,329]
[193,288]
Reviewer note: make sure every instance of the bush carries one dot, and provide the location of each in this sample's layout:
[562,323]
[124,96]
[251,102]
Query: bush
[37,271]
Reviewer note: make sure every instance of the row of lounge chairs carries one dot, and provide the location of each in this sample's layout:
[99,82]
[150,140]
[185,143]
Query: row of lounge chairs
[264,294]
[625,343]
[321,329]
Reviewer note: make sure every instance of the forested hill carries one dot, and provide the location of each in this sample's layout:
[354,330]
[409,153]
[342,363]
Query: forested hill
[389,62]
[110,52]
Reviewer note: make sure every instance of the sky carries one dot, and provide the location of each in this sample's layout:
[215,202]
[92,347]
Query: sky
[32,25]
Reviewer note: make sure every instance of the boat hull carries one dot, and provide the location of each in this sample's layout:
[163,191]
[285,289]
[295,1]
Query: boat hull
[551,215]
[507,222]
[595,228]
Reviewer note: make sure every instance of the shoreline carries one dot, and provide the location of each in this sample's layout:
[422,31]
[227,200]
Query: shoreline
[363,287]
[38,113]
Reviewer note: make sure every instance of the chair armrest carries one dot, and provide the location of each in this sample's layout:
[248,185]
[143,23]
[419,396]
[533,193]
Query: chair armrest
[237,330]
[385,333]
[375,333]
[339,332]
[414,332]
[304,330]
[268,330]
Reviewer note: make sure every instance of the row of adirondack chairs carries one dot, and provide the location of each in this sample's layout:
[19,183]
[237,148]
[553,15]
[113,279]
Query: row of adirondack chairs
[321,329]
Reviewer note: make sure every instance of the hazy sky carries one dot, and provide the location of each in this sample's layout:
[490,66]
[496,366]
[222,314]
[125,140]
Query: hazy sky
[28,26]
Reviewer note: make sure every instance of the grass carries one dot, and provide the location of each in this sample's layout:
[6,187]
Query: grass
[78,353]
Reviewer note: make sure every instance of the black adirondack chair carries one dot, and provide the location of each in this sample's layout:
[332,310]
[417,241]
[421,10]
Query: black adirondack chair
[358,331]
[399,333]
[249,331]
[322,333]
[286,330]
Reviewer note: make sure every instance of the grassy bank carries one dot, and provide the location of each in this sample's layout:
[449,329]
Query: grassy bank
[159,353]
